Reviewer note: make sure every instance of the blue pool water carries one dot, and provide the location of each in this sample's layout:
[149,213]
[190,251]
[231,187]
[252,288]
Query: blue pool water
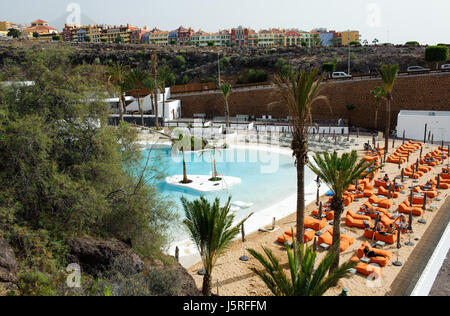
[267,177]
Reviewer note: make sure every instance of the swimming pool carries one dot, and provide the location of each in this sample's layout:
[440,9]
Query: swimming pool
[268,176]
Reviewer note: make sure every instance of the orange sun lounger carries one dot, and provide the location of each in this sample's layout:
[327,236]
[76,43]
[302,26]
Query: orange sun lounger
[382,260]
[384,203]
[311,222]
[405,208]
[385,192]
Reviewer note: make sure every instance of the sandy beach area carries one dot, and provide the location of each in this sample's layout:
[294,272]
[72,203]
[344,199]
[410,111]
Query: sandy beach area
[234,278]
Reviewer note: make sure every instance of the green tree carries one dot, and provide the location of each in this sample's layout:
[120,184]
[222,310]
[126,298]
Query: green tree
[388,74]
[117,76]
[136,79]
[305,280]
[36,35]
[118,39]
[412,43]
[211,229]
[185,79]
[338,173]
[15,33]
[436,54]
[300,92]
[329,68]
[65,173]
[56,38]
[226,90]
[379,95]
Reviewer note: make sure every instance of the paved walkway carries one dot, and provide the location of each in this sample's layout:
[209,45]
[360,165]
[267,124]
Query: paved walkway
[441,286]
[405,282]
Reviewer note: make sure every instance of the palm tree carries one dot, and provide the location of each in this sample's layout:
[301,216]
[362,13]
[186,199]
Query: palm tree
[379,94]
[304,281]
[299,92]
[210,228]
[136,78]
[181,143]
[163,75]
[212,149]
[388,74]
[117,77]
[226,92]
[338,173]
[154,72]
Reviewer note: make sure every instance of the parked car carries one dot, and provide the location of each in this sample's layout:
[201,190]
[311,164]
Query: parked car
[340,75]
[445,67]
[417,69]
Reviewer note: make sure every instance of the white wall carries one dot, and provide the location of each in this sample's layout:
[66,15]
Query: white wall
[413,123]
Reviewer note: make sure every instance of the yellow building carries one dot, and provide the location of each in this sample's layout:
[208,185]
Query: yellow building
[158,37]
[349,36]
[270,38]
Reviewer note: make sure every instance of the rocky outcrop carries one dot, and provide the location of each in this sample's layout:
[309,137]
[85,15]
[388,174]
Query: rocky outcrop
[105,258]
[8,268]
[185,281]
[97,256]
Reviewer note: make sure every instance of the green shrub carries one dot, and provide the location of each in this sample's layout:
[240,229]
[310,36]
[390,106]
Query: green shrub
[329,67]
[412,43]
[286,71]
[351,107]
[180,61]
[35,284]
[436,54]
[280,63]
[256,76]
[224,62]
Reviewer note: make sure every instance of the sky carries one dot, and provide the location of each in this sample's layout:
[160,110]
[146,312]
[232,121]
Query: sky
[393,21]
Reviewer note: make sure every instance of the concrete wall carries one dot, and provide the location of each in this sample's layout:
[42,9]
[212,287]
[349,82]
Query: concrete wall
[430,92]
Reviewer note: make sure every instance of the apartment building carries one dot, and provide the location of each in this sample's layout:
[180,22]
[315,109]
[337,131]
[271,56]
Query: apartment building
[239,36]
[40,29]
[201,38]
[350,36]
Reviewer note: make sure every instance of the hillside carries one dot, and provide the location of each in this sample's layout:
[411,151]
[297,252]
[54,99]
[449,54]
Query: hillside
[201,63]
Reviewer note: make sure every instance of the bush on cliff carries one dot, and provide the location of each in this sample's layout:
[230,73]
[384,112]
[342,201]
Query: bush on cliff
[64,172]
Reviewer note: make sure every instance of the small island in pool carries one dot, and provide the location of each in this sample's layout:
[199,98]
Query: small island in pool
[203,183]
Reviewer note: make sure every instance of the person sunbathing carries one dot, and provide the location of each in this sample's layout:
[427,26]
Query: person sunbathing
[370,253]
[386,178]
[427,186]
[402,224]
[380,227]
[390,229]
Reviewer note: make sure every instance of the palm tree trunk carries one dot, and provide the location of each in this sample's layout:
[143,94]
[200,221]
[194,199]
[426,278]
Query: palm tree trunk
[185,178]
[337,204]
[141,111]
[376,118]
[388,125]
[164,102]
[206,289]
[120,107]
[300,200]
[156,105]
[227,116]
